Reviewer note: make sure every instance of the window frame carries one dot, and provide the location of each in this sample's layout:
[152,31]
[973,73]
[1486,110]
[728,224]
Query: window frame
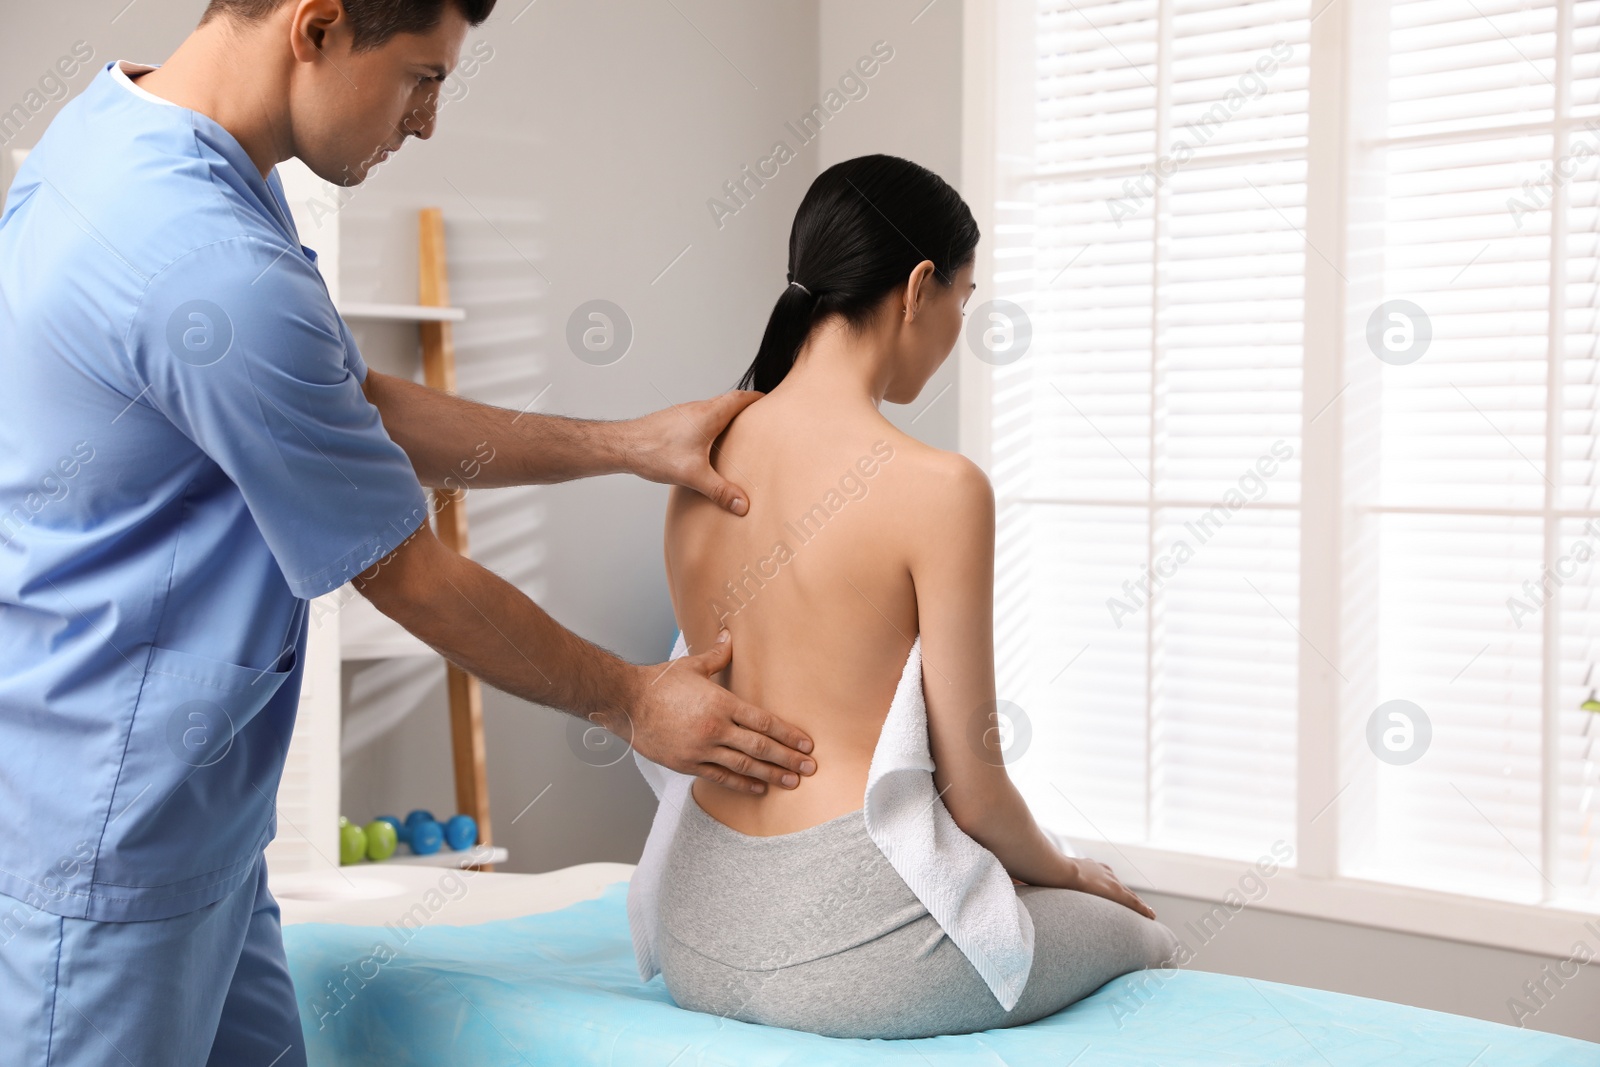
[1346,116]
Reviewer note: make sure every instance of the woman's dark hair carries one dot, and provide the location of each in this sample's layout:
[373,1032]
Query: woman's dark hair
[863,226]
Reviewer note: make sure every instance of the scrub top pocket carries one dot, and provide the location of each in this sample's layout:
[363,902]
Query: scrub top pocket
[194,802]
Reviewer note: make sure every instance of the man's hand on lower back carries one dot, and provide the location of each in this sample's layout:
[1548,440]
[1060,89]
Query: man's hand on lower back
[673,713]
[684,721]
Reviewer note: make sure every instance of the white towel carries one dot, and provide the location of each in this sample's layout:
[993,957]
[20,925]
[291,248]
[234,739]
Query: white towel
[961,883]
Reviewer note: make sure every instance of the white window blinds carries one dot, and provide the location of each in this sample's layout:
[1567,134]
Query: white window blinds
[1486,454]
[1145,453]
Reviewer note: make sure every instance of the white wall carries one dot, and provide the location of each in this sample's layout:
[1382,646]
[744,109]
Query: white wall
[1423,971]
[912,109]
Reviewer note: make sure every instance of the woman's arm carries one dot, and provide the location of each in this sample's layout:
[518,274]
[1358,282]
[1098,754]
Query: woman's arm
[952,566]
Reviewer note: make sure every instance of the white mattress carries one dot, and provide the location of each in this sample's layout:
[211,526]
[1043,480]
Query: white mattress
[375,894]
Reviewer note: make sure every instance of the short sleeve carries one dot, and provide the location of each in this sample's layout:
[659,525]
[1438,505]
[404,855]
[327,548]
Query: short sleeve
[238,345]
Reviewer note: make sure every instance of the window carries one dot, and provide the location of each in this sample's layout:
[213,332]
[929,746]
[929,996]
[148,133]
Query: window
[1309,390]
[1482,461]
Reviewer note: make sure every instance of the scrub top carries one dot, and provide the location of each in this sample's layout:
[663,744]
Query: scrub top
[186,458]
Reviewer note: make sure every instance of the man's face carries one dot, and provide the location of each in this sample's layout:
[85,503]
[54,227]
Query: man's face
[351,110]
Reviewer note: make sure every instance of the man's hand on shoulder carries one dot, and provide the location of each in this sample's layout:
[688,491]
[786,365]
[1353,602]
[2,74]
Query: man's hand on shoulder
[673,446]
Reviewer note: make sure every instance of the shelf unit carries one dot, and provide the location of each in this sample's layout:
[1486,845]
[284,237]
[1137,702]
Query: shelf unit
[402,312]
[345,627]
[446,858]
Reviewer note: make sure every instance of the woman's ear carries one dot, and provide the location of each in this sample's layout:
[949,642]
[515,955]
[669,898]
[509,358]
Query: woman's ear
[916,289]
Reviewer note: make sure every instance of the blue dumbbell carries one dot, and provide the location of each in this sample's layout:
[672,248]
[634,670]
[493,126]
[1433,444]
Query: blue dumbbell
[461,832]
[419,815]
[426,837]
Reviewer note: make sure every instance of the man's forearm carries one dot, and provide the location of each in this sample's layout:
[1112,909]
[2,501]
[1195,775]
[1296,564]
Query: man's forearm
[680,718]
[455,443]
[489,628]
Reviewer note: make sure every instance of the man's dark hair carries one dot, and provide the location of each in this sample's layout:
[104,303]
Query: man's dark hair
[372,22]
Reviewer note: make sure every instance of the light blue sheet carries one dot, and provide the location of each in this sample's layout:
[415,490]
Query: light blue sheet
[561,989]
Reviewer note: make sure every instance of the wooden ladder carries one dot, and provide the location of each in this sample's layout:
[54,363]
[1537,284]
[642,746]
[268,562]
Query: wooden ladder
[450,524]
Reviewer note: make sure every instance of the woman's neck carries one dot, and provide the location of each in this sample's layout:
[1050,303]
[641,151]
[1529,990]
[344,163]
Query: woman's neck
[840,363]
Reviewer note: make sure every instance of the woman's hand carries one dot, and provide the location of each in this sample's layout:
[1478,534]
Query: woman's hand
[1095,877]
[673,446]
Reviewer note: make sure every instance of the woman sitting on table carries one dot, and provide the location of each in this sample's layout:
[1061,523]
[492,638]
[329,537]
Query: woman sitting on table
[878,898]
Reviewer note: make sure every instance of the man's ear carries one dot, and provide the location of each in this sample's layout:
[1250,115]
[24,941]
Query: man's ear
[311,24]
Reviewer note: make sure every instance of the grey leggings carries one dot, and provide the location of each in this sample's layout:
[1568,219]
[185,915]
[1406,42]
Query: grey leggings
[815,931]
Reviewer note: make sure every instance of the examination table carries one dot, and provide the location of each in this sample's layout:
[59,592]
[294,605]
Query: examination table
[398,965]
[413,965]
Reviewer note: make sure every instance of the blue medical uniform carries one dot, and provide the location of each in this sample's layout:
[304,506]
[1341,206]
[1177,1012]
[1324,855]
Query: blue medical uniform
[186,458]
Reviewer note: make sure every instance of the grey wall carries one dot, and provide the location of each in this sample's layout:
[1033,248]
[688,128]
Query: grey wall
[577,165]
[1423,971]
[912,109]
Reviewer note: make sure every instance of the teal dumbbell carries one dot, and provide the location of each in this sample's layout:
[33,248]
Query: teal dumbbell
[419,815]
[426,837]
[461,832]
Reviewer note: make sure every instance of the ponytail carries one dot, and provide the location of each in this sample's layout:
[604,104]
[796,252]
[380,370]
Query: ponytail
[786,331]
[861,229]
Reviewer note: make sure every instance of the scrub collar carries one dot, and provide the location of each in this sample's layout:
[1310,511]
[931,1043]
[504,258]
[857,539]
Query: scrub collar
[123,70]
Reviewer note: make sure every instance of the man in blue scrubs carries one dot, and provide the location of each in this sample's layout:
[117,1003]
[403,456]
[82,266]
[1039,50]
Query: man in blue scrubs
[191,448]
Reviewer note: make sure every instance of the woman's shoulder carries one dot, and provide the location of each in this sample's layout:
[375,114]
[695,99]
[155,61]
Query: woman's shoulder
[932,500]
[936,474]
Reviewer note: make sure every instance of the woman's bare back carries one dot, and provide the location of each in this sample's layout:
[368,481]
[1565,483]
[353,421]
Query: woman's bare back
[813,584]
